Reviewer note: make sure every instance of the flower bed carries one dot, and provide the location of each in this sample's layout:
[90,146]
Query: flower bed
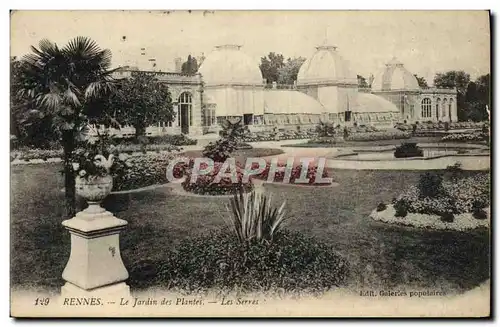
[463,198]
[206,185]
[439,126]
[378,136]
[465,137]
[279,176]
[30,154]
[461,222]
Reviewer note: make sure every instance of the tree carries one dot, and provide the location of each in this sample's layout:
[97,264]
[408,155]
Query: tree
[140,101]
[270,66]
[362,82]
[458,79]
[477,97]
[190,66]
[287,74]
[64,84]
[421,81]
[28,126]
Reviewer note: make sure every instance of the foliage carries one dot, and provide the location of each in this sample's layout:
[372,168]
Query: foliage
[140,101]
[378,136]
[28,125]
[287,74]
[133,172]
[324,129]
[401,208]
[447,217]
[430,185]
[362,82]
[381,206]
[206,185]
[408,150]
[253,218]
[190,66]
[472,97]
[66,86]
[93,158]
[218,261]
[480,214]
[456,196]
[230,136]
[421,81]
[454,170]
[270,66]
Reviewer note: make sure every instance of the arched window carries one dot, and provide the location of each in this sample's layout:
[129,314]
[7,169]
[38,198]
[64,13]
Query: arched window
[450,105]
[438,108]
[426,108]
[186,103]
[445,107]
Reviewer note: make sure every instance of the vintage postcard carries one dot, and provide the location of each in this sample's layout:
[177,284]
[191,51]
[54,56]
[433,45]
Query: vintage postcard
[250,164]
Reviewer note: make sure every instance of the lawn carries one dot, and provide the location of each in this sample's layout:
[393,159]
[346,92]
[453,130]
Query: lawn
[382,256]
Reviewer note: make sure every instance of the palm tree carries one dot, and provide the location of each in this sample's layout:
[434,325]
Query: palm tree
[67,84]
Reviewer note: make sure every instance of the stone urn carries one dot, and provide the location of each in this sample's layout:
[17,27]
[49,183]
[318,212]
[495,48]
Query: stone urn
[94,189]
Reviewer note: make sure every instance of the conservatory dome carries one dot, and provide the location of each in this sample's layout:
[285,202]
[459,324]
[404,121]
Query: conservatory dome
[228,65]
[326,65]
[394,76]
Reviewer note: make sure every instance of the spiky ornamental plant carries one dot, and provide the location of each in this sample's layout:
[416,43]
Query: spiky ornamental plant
[68,85]
[254,218]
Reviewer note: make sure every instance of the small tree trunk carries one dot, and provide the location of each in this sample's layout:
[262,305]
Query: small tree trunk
[68,141]
[140,130]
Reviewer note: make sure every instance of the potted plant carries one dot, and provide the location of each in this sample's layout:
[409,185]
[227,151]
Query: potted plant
[92,163]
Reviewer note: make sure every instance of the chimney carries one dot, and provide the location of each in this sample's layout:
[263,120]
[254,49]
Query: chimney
[178,65]
[275,85]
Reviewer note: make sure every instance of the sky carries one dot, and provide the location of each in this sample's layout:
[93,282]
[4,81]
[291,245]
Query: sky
[426,42]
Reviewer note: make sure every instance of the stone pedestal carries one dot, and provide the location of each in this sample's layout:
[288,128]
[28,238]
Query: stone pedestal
[95,267]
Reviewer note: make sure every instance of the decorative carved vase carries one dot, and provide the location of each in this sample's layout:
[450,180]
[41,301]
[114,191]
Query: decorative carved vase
[94,189]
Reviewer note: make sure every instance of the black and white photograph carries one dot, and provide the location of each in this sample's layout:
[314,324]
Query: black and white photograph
[215,163]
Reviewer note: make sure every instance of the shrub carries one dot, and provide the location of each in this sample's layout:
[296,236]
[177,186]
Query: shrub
[132,172]
[205,184]
[230,136]
[447,217]
[218,261]
[401,208]
[479,214]
[430,185]
[253,218]
[408,150]
[454,170]
[381,206]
